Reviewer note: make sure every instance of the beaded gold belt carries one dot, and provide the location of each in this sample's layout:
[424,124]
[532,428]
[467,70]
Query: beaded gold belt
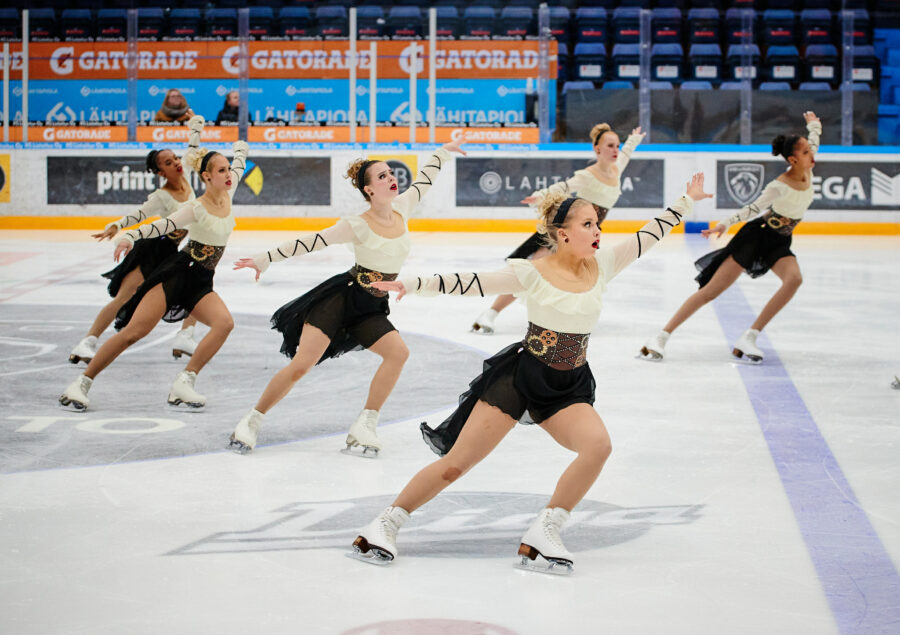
[782,224]
[562,351]
[207,256]
[177,235]
[365,277]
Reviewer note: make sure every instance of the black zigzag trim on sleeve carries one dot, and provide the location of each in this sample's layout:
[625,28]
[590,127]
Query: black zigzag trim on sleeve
[299,243]
[661,224]
[463,289]
[427,179]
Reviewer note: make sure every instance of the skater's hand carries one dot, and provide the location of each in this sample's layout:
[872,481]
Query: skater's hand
[718,230]
[529,200]
[391,285]
[248,263]
[108,233]
[637,131]
[122,249]
[695,188]
[810,116]
[453,146]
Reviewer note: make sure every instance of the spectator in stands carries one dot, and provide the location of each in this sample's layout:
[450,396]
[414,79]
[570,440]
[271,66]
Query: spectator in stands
[229,112]
[174,107]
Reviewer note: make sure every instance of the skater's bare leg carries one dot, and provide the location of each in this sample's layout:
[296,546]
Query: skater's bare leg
[724,277]
[146,316]
[107,314]
[189,321]
[313,343]
[484,429]
[789,271]
[578,428]
[394,353]
[211,311]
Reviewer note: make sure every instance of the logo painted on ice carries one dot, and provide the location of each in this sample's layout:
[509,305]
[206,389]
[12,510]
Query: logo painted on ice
[744,181]
[455,524]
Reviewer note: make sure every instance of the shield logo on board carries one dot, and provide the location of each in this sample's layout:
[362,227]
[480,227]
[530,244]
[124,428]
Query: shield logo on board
[744,181]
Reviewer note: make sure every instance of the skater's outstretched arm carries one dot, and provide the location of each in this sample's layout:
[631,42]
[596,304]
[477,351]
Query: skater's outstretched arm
[238,164]
[195,124]
[407,202]
[629,250]
[340,232]
[153,206]
[179,219]
[814,128]
[632,142]
[481,284]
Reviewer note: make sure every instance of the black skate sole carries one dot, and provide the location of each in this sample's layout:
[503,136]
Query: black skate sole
[74,359]
[238,447]
[529,562]
[71,406]
[176,353]
[369,554]
[747,359]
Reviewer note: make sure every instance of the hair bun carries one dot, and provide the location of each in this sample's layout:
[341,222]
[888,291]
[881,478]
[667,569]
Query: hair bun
[778,145]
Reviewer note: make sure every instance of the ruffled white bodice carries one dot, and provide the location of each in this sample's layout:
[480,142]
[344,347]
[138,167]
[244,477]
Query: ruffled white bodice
[209,229]
[791,202]
[376,252]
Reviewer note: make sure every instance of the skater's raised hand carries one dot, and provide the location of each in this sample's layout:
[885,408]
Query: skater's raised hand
[695,188]
[453,146]
[122,249]
[108,233]
[637,131]
[718,230]
[391,285]
[248,263]
[810,116]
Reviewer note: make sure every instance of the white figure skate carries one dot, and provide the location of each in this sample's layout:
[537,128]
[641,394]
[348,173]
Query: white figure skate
[75,396]
[362,436]
[485,322]
[243,439]
[542,539]
[654,349]
[84,351]
[746,347]
[896,383]
[184,343]
[377,543]
[182,391]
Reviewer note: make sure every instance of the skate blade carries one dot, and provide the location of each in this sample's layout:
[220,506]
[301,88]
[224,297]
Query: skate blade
[177,353]
[552,567]
[740,357]
[74,359]
[896,383]
[70,406]
[481,329]
[238,447]
[360,451]
[176,403]
[649,356]
[365,552]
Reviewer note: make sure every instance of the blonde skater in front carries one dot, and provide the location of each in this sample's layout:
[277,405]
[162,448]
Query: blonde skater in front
[543,379]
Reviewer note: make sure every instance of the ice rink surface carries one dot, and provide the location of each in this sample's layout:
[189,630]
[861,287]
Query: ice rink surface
[738,499]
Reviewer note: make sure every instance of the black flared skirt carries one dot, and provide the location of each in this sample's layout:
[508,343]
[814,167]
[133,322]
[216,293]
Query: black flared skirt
[184,281]
[146,255]
[349,315]
[756,247]
[521,386]
[528,248]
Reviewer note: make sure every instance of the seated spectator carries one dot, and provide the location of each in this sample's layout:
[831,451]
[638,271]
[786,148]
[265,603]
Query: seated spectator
[229,112]
[174,107]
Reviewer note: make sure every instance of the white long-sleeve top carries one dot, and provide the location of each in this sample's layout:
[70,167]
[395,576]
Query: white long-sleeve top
[587,186]
[160,202]
[548,306]
[778,195]
[371,250]
[205,228]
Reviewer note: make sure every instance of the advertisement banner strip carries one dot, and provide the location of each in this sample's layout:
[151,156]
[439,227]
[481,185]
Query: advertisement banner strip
[327,59]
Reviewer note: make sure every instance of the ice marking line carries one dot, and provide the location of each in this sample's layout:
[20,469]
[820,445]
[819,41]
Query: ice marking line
[50,278]
[858,577]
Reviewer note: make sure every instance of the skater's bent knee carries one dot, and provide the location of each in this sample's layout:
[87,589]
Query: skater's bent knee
[793,281]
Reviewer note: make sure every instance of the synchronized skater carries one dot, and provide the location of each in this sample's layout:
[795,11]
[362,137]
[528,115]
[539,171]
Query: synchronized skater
[182,284]
[600,183]
[543,379]
[760,245]
[346,312]
[149,254]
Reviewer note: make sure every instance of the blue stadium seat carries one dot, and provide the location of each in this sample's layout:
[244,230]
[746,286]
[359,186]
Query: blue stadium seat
[733,60]
[815,86]
[731,86]
[578,85]
[295,23]
[779,27]
[590,61]
[222,23]
[112,25]
[261,21]
[42,25]
[666,62]
[478,22]
[774,86]
[559,23]
[704,26]
[448,22]
[10,25]
[331,21]
[370,21]
[405,23]
[516,22]
[821,63]
[861,87]
[184,24]
[861,27]
[661,86]
[705,62]
[618,85]
[590,24]
[865,64]
[816,26]
[151,23]
[696,85]
[626,61]
[665,26]
[734,20]
[783,64]
[626,25]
